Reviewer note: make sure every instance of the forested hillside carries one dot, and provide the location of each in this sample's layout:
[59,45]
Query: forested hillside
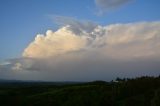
[143,91]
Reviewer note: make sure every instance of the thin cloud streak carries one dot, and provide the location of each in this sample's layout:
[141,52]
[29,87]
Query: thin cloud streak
[108,5]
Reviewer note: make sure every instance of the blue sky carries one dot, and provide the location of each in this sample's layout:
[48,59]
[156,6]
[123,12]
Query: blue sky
[98,43]
[21,20]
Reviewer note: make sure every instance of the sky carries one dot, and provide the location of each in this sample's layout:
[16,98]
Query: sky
[79,40]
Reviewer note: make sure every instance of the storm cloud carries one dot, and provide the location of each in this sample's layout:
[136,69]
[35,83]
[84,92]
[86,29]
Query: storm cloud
[82,53]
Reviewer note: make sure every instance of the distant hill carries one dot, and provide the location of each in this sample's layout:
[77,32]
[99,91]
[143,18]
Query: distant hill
[143,91]
[6,81]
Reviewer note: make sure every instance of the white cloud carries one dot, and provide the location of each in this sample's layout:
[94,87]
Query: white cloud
[118,41]
[55,43]
[103,53]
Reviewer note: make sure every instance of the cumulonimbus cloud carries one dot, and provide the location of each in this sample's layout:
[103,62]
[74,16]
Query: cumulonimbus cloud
[117,41]
[103,52]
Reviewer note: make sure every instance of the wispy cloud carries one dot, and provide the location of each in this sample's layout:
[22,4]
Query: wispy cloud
[75,25]
[107,5]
